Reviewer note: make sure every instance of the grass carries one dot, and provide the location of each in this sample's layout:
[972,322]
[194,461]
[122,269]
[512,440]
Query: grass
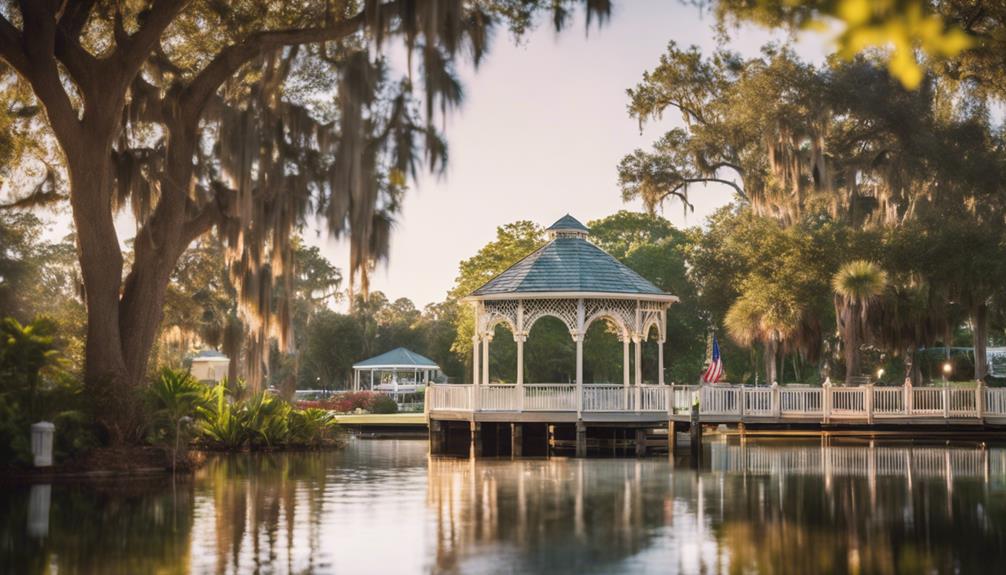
[382,419]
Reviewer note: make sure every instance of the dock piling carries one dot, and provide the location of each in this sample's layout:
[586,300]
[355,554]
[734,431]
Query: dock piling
[581,439]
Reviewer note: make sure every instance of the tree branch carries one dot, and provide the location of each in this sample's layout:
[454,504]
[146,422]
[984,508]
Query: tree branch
[233,57]
[134,50]
[38,44]
[10,47]
[203,220]
[685,182]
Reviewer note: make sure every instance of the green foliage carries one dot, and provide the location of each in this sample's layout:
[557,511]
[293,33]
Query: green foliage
[174,397]
[310,426]
[938,31]
[34,387]
[260,420]
[383,404]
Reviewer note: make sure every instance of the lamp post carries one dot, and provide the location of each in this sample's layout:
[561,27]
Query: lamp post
[947,369]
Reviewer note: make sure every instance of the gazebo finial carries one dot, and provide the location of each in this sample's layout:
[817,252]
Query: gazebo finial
[567,227]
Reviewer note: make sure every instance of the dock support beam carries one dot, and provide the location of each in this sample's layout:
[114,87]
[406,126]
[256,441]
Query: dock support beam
[640,442]
[581,439]
[672,437]
[695,428]
[436,437]
[476,446]
[516,440]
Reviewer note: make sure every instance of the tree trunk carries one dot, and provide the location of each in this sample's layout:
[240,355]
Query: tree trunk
[123,318]
[851,335]
[771,347]
[980,334]
[106,377]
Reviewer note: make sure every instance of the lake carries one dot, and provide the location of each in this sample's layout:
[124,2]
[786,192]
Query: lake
[386,506]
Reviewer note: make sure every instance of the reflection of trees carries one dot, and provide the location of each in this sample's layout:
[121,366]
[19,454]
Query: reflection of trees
[250,503]
[848,510]
[606,515]
[762,507]
[133,526]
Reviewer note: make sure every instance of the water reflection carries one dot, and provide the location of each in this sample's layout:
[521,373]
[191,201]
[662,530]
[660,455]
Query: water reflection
[387,507]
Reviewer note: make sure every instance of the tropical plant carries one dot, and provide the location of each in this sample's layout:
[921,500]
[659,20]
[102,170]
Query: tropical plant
[220,423]
[310,426]
[857,284]
[175,397]
[34,385]
[26,353]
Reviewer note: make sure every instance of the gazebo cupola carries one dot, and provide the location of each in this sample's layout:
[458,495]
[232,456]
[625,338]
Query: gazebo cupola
[571,279]
[568,227]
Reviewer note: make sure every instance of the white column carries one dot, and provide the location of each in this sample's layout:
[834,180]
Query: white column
[579,354]
[625,372]
[660,362]
[625,360]
[475,360]
[520,358]
[639,359]
[519,337]
[485,358]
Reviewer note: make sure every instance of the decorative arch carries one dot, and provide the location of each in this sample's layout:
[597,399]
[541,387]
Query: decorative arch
[562,309]
[652,315]
[644,334]
[496,312]
[623,329]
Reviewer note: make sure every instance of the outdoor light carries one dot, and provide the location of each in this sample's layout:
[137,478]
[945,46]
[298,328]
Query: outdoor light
[947,368]
[880,373]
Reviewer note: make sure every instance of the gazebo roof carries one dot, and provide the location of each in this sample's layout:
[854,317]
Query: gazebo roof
[569,264]
[567,222]
[398,357]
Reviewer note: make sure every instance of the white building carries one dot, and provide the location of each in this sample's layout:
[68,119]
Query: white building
[209,365]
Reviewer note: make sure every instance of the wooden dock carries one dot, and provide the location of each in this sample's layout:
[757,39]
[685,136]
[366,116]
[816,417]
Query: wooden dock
[584,415]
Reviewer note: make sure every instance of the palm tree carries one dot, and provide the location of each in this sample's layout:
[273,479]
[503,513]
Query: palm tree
[758,317]
[744,324]
[856,284]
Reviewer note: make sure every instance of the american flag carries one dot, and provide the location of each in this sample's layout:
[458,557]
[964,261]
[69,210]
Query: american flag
[715,371]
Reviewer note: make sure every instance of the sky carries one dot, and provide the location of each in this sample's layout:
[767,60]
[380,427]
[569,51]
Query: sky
[540,134]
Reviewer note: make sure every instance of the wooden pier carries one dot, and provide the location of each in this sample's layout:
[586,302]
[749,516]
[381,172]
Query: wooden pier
[631,419]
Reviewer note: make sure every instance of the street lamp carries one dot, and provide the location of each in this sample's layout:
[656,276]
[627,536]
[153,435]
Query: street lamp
[880,373]
[947,368]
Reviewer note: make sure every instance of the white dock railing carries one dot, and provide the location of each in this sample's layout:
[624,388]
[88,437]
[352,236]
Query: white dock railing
[828,403]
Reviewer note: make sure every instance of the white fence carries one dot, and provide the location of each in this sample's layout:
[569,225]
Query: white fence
[865,402]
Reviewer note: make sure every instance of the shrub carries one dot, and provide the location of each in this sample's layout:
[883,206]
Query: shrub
[383,404]
[261,420]
[34,386]
[310,426]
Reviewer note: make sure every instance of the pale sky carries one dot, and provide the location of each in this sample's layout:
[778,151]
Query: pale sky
[540,134]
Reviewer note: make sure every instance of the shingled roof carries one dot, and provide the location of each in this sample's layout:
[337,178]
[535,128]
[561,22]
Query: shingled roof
[398,357]
[568,264]
[567,222]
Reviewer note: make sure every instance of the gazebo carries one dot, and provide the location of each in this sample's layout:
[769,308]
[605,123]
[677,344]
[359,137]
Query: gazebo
[397,371]
[571,279]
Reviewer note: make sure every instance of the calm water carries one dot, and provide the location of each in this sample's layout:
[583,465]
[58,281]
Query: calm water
[386,507]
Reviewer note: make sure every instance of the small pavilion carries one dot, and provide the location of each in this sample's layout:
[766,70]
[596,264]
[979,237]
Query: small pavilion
[397,371]
[571,279]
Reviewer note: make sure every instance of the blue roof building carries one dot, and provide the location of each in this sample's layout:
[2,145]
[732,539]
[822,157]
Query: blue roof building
[397,371]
